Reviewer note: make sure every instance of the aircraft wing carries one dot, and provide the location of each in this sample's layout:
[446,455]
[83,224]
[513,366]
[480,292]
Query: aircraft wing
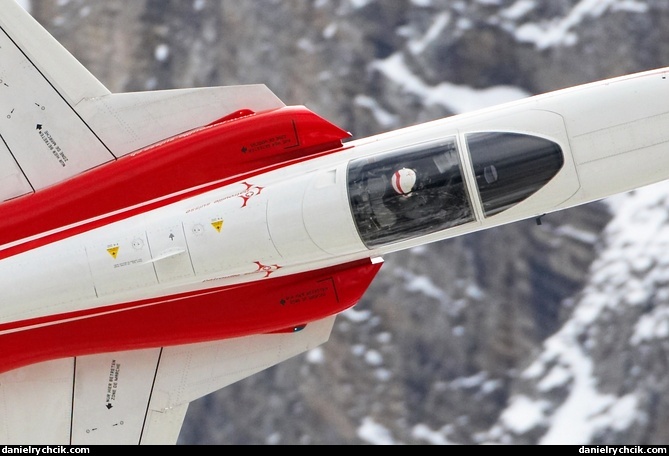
[134,397]
[57,120]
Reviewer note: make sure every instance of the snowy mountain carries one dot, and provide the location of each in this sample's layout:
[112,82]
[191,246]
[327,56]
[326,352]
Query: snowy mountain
[523,334]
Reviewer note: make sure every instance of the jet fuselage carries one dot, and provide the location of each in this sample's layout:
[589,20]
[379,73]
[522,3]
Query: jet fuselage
[266,222]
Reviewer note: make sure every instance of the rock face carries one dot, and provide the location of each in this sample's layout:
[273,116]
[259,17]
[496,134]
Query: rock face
[501,336]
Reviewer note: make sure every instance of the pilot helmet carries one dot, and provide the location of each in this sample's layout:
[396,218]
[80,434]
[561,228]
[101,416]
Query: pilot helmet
[403,181]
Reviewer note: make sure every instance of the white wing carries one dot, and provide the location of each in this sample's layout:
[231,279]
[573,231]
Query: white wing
[57,120]
[134,397]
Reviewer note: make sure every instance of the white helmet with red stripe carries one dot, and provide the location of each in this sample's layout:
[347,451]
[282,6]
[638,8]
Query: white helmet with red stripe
[403,181]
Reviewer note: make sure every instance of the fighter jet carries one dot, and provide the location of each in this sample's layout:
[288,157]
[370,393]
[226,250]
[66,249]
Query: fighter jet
[158,246]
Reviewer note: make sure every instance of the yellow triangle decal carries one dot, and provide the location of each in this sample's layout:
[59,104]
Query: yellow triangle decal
[113,251]
[218,225]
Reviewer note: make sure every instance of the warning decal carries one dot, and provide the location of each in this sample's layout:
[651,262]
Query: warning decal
[278,141]
[112,385]
[218,225]
[113,251]
[307,295]
[52,145]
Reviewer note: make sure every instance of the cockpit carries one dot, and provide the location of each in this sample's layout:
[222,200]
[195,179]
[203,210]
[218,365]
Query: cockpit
[422,189]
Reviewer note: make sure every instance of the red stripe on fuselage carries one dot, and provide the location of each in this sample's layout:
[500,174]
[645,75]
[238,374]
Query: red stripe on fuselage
[178,168]
[258,307]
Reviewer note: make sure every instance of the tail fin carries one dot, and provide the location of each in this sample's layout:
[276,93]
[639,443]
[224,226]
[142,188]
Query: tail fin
[58,120]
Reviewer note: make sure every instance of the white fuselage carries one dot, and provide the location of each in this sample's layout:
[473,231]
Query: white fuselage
[613,136]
